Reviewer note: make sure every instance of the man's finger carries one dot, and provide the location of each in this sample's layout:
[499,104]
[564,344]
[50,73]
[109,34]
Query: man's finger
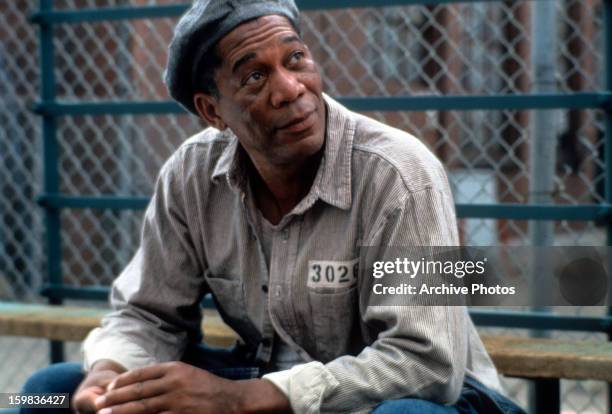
[131,392]
[144,406]
[138,375]
[84,400]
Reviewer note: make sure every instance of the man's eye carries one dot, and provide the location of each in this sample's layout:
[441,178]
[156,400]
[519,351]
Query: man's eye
[296,57]
[253,78]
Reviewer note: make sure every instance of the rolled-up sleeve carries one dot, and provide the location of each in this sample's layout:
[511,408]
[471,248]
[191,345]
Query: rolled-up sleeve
[156,298]
[418,351]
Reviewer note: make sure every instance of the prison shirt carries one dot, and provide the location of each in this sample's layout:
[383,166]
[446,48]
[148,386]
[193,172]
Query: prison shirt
[376,186]
[283,356]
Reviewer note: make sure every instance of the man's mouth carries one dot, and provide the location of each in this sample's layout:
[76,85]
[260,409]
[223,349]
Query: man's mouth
[299,124]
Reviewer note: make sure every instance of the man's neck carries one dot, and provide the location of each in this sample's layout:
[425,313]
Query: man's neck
[278,189]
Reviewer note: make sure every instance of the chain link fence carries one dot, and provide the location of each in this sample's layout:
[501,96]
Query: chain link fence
[473,48]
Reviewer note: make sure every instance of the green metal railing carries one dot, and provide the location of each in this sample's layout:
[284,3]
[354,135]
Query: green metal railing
[53,201]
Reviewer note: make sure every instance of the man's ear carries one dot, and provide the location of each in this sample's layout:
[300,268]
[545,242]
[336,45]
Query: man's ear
[207,105]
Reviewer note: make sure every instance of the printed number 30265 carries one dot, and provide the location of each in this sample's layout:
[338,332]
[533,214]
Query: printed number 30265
[328,273]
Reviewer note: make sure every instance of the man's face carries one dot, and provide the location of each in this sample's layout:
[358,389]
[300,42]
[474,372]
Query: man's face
[269,92]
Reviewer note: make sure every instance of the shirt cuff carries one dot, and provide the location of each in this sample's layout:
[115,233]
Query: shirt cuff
[305,385]
[100,345]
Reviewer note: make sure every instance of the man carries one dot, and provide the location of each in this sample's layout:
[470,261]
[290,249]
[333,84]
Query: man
[268,210]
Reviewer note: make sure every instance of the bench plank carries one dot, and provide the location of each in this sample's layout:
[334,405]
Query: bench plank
[513,356]
[550,358]
[62,323]
[71,323]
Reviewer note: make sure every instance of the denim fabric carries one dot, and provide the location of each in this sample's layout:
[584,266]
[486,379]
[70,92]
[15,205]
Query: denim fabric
[57,378]
[234,365]
[475,399]
[412,405]
[479,398]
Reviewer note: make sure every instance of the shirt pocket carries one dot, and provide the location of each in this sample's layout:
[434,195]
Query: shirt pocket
[333,316]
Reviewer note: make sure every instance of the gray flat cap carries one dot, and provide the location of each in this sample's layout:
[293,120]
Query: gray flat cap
[205,23]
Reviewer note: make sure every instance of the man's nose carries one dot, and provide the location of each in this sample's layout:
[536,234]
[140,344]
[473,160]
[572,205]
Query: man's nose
[286,87]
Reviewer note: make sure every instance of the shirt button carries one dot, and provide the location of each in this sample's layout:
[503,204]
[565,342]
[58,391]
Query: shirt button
[285,234]
[264,288]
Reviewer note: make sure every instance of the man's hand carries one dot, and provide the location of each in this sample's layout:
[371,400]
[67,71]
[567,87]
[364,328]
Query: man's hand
[181,388]
[94,385]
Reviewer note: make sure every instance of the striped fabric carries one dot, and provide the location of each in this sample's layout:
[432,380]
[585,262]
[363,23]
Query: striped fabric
[377,187]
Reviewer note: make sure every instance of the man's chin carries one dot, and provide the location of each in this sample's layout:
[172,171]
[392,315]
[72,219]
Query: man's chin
[301,147]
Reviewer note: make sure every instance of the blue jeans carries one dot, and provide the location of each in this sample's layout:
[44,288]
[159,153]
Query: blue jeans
[475,397]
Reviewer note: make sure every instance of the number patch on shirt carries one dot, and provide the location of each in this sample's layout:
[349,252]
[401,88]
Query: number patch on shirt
[331,273]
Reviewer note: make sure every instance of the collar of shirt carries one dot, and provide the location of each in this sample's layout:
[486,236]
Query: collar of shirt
[332,184]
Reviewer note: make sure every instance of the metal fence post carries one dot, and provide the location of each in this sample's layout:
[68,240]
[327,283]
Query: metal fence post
[50,162]
[607,40]
[542,158]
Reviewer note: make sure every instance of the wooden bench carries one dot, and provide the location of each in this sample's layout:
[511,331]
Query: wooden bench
[531,358]
[70,323]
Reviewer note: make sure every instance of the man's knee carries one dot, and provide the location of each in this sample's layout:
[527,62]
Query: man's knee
[64,377]
[412,405]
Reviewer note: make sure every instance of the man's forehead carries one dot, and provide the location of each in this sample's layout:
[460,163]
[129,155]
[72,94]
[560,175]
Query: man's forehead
[247,36]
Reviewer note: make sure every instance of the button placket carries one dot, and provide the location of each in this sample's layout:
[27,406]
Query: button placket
[280,299]
[276,281]
[292,248]
[264,349]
